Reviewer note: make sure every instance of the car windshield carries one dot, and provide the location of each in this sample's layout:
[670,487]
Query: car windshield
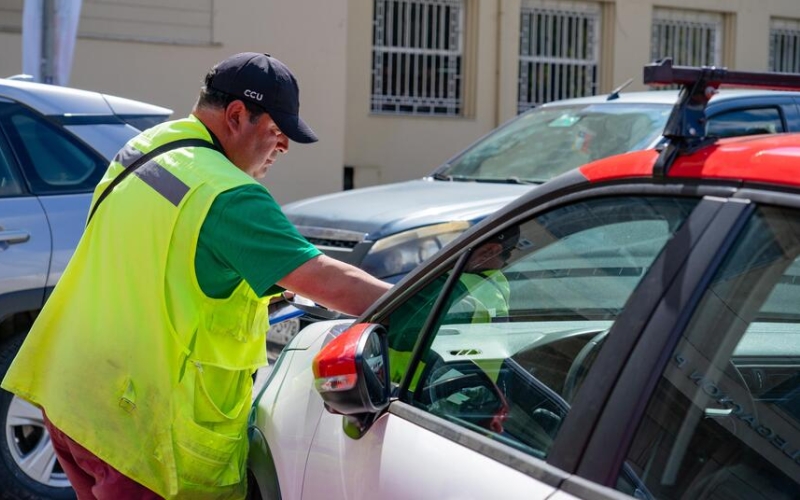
[548,141]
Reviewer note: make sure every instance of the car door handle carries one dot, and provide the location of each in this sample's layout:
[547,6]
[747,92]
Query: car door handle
[11,237]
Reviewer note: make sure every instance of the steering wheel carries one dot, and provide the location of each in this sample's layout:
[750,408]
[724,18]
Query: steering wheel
[465,391]
[580,365]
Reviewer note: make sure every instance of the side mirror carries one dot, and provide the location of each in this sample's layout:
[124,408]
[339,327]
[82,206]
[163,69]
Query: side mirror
[351,373]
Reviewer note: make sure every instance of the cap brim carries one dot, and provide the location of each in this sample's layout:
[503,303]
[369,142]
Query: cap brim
[294,127]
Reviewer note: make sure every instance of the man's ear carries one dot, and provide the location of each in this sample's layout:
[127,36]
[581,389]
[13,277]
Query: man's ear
[235,113]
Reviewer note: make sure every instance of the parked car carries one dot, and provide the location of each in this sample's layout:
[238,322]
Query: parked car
[389,229]
[55,145]
[649,345]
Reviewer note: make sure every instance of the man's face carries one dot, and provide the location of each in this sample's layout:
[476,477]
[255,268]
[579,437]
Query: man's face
[259,145]
[488,256]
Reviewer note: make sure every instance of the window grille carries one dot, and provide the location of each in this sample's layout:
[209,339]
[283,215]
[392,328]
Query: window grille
[690,38]
[558,52]
[417,57]
[784,46]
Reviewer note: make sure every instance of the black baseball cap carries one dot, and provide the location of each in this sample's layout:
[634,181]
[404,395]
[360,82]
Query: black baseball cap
[266,82]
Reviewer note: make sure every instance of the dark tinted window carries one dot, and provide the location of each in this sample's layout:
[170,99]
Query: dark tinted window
[9,184]
[724,421]
[745,122]
[526,317]
[53,161]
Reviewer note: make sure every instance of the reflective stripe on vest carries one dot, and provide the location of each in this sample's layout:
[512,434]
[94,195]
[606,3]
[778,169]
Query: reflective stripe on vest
[156,176]
[164,182]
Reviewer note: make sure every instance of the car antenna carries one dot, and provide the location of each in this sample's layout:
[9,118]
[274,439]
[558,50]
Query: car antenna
[685,128]
[615,93]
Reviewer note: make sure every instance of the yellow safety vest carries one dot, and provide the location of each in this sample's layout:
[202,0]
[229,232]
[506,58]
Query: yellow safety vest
[490,291]
[130,358]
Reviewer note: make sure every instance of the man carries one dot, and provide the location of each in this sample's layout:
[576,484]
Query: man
[142,357]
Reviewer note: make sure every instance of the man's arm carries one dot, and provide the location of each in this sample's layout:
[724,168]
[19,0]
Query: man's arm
[335,285]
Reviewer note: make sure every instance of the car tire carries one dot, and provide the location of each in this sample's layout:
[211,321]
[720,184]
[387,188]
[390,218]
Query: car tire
[24,441]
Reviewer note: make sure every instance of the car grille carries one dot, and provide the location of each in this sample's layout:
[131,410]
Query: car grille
[340,244]
[332,239]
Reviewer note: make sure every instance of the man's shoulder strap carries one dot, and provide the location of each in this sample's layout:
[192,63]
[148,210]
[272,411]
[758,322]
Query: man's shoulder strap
[169,146]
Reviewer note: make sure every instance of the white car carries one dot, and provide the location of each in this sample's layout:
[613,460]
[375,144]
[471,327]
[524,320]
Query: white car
[647,345]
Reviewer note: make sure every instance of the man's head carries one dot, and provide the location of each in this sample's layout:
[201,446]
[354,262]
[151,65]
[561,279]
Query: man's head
[494,252]
[251,101]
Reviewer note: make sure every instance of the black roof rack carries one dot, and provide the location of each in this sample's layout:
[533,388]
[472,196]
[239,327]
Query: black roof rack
[685,128]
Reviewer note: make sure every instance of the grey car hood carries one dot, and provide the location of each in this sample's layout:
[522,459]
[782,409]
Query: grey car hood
[383,210]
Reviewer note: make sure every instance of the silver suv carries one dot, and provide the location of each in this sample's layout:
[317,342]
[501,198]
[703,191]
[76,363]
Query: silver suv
[388,230]
[55,145]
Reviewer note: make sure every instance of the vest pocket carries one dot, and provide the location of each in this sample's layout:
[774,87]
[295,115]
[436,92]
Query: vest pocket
[244,317]
[205,457]
[221,396]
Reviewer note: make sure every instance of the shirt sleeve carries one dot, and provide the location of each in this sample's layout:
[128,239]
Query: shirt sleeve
[247,236]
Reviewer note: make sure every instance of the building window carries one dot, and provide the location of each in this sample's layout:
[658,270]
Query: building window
[690,38]
[784,46]
[417,57]
[559,51]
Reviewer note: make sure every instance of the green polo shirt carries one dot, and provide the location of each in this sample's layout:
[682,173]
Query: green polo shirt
[247,236]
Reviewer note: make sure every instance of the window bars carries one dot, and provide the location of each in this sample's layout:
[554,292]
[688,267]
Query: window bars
[417,57]
[559,51]
[690,38]
[784,46]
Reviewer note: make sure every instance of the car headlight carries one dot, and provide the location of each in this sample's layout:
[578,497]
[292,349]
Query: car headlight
[402,252]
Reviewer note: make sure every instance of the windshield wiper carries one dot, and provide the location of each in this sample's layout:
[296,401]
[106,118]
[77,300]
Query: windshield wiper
[452,178]
[508,180]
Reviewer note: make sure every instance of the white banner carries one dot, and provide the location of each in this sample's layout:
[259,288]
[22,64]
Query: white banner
[49,31]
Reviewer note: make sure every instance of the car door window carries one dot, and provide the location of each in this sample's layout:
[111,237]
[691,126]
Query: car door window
[724,420]
[52,160]
[520,325]
[9,185]
[745,122]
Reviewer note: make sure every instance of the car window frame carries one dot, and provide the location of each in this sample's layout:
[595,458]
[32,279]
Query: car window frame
[21,155]
[787,105]
[584,225]
[773,106]
[566,453]
[13,166]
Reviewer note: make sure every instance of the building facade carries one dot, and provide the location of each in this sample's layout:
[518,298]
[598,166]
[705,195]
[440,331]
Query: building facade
[395,87]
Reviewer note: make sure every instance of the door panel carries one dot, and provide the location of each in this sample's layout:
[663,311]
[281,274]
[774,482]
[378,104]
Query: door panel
[24,245]
[398,459]
[67,215]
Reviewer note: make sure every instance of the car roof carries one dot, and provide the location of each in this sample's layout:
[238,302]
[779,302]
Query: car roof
[54,100]
[771,159]
[668,97]
[687,153]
